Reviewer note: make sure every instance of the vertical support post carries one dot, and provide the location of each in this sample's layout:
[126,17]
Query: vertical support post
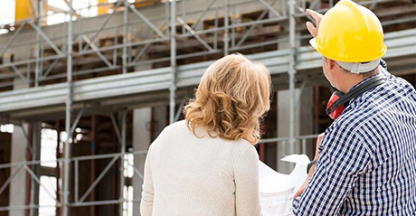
[226,21]
[80,32]
[303,146]
[93,143]
[304,5]
[37,54]
[233,22]
[167,18]
[68,141]
[28,73]
[61,192]
[76,180]
[115,54]
[58,165]
[34,192]
[216,32]
[172,62]
[183,15]
[125,36]
[292,72]
[122,151]
[284,8]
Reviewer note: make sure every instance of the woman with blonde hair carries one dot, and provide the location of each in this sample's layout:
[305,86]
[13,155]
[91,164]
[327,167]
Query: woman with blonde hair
[207,165]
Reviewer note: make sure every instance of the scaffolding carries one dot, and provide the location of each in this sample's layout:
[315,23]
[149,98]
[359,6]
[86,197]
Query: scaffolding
[55,88]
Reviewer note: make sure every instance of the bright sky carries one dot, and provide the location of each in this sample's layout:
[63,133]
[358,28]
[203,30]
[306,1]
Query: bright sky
[7,10]
[84,7]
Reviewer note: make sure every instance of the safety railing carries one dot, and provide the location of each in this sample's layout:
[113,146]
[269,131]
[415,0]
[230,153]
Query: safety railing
[122,165]
[120,41]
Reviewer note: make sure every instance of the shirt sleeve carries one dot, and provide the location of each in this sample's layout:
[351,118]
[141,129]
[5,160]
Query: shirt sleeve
[246,177]
[146,204]
[342,158]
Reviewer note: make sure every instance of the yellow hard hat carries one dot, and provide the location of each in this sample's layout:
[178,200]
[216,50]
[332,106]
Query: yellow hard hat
[349,32]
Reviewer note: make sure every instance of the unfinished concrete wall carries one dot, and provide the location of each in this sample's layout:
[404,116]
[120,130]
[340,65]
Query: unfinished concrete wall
[160,119]
[141,141]
[17,186]
[147,122]
[303,122]
[18,154]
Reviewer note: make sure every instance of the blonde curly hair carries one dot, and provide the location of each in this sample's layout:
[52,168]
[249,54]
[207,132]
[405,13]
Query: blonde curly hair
[231,99]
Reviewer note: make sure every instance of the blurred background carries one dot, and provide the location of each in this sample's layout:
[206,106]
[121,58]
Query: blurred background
[87,85]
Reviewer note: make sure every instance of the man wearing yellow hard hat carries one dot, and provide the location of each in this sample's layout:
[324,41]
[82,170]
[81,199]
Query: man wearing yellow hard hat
[366,160]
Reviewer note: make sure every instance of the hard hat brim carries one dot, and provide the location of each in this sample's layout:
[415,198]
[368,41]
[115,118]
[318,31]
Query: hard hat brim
[314,44]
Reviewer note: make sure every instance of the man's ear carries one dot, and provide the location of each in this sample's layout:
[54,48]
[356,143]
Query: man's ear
[338,66]
[331,63]
[328,63]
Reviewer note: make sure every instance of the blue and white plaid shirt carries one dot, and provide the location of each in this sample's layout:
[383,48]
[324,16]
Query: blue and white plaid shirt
[367,159]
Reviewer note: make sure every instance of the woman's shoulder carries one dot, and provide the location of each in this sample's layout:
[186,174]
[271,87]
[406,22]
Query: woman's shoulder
[175,127]
[180,129]
[173,130]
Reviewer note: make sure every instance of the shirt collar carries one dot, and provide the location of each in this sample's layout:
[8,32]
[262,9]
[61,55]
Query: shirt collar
[381,73]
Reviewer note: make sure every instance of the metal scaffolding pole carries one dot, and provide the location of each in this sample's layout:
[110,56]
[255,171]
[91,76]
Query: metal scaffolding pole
[226,22]
[172,87]
[122,151]
[34,136]
[35,142]
[292,72]
[37,64]
[68,112]
[125,36]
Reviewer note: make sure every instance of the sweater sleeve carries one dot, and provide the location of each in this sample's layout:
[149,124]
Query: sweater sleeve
[146,204]
[246,177]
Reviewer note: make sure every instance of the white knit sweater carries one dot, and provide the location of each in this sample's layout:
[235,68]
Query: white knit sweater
[190,176]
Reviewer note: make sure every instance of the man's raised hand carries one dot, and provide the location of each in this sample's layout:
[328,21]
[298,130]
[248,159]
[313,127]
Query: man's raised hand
[317,17]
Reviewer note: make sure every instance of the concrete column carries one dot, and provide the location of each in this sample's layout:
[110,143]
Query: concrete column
[160,118]
[141,141]
[18,154]
[303,122]
[36,145]
[306,123]
[18,185]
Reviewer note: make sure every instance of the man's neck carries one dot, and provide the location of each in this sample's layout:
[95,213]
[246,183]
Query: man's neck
[352,80]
